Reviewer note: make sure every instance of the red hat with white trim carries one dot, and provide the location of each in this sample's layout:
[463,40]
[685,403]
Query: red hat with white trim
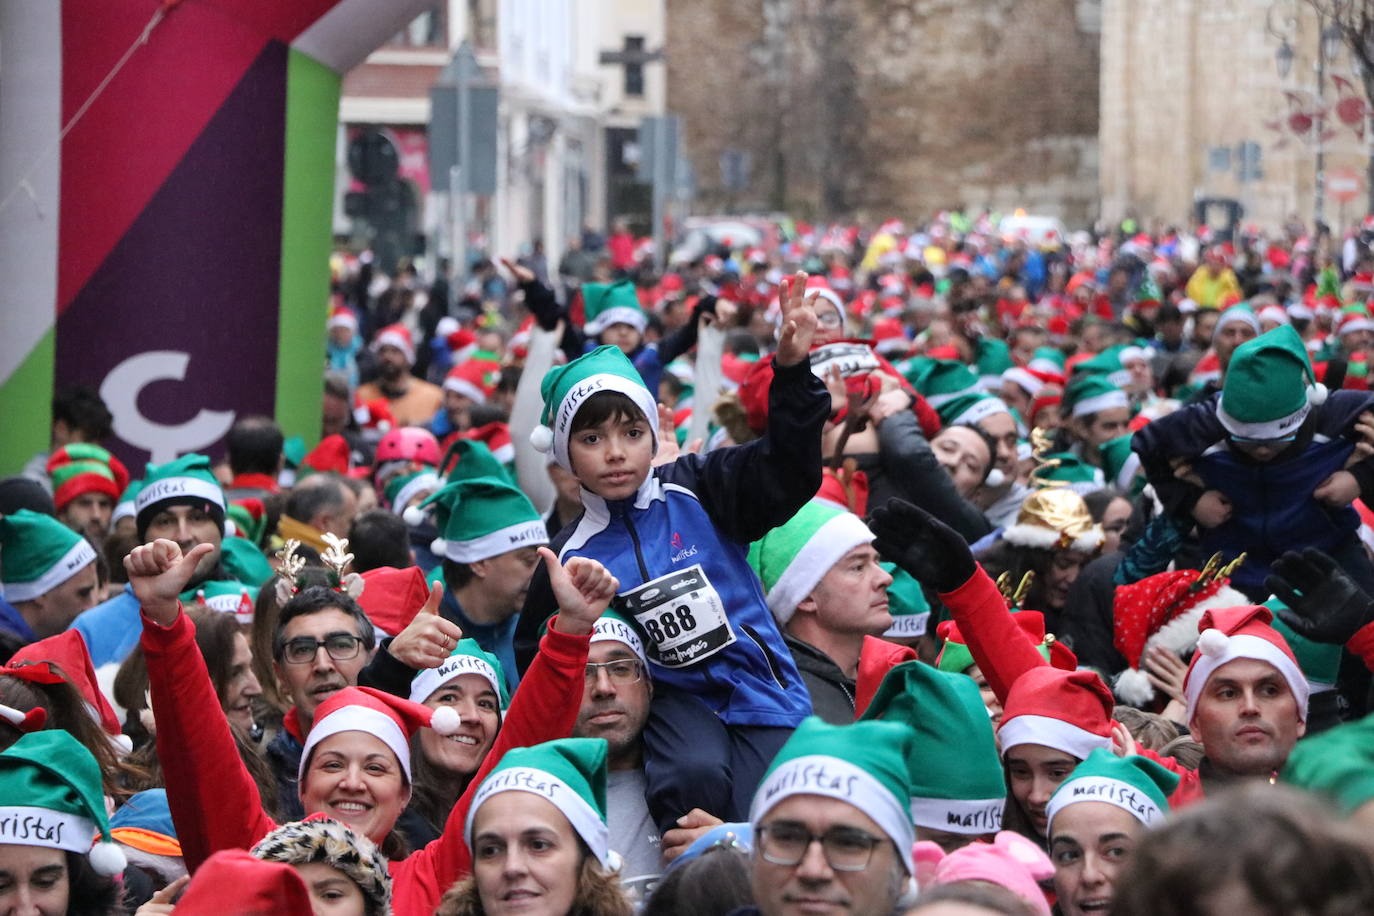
[889,336]
[1070,711]
[67,651]
[390,719]
[342,317]
[476,378]
[1228,634]
[398,336]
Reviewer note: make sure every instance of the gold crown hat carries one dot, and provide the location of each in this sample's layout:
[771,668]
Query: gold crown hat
[1055,518]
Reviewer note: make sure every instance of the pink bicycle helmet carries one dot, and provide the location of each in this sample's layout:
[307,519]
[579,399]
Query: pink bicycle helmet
[408,443]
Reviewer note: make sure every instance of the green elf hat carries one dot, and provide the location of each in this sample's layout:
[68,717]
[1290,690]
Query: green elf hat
[606,304]
[1090,394]
[614,627]
[907,604]
[1135,784]
[38,553]
[1338,764]
[402,488]
[482,518]
[792,559]
[185,481]
[466,658]
[125,506]
[244,560]
[472,458]
[1269,387]
[1047,359]
[1320,662]
[942,380]
[53,798]
[249,517]
[1106,364]
[1069,470]
[991,358]
[1120,465]
[226,597]
[570,773]
[956,775]
[863,764]
[566,388]
[969,409]
[1147,293]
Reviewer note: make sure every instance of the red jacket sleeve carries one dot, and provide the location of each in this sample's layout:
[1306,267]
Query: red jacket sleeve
[1362,644]
[544,708]
[214,802]
[999,647]
[1189,788]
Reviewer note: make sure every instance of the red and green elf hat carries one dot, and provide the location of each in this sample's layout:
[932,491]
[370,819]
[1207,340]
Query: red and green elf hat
[81,468]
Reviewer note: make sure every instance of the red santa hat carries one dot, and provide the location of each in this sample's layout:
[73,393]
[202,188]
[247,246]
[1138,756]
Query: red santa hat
[398,336]
[818,284]
[1228,634]
[1162,611]
[390,719]
[1070,711]
[374,414]
[496,435]
[342,317]
[889,337]
[234,881]
[519,343]
[462,343]
[67,651]
[392,597]
[474,378]
[332,454]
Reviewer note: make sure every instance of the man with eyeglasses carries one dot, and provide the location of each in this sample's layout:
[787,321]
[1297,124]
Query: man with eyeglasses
[832,822]
[320,645]
[615,706]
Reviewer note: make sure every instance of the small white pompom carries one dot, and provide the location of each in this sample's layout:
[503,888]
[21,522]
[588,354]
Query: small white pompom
[108,859]
[123,743]
[354,584]
[1316,395]
[438,547]
[414,516]
[361,415]
[995,478]
[1133,687]
[1212,643]
[541,437]
[614,861]
[445,721]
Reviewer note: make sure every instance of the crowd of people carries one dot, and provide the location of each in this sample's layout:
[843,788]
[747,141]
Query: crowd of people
[863,570]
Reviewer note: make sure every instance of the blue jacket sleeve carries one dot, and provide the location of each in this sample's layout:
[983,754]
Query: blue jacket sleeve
[750,489]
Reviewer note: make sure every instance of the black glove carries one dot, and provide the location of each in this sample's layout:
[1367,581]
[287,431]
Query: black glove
[922,545]
[706,303]
[542,305]
[1324,604]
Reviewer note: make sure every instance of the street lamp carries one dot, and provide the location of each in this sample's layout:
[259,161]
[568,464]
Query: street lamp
[1283,59]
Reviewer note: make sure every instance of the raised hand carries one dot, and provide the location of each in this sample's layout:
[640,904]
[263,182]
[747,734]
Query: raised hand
[159,573]
[1324,603]
[931,551]
[798,321]
[428,639]
[689,829]
[583,589]
[521,273]
[668,449]
[161,901]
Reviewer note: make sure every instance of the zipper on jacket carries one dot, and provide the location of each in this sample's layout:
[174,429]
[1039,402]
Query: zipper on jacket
[767,654]
[639,554]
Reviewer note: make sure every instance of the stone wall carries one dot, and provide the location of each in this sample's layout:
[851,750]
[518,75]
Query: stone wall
[883,107]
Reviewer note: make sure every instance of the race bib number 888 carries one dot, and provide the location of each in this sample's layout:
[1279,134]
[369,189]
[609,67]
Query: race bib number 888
[683,617]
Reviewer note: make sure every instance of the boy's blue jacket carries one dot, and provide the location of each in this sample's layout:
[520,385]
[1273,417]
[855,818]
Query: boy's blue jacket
[1272,509]
[703,511]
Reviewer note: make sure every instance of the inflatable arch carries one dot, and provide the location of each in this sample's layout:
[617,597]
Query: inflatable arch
[166,182]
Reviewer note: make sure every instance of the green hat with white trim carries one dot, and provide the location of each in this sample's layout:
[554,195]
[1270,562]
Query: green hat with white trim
[1068,469]
[569,773]
[1047,359]
[1320,662]
[1106,364]
[38,553]
[612,626]
[942,380]
[1090,394]
[53,798]
[1269,387]
[566,388]
[466,658]
[1338,763]
[606,304]
[969,409]
[1120,465]
[403,488]
[863,764]
[482,518]
[991,358]
[957,783]
[186,481]
[907,604]
[126,507]
[792,559]
[1135,784]
[226,597]
[473,458]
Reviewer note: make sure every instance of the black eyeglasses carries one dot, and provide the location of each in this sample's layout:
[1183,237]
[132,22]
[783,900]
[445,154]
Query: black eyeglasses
[340,646]
[844,848]
[620,671]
